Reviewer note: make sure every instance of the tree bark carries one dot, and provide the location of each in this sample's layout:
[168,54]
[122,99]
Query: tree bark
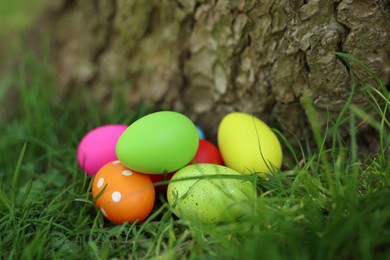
[208,58]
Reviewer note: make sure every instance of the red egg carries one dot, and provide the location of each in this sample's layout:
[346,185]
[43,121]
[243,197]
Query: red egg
[157,178]
[207,153]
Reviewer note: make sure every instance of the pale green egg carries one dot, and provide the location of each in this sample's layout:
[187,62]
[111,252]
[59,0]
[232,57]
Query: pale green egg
[210,193]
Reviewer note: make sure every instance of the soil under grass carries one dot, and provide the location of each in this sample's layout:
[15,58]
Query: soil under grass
[327,203]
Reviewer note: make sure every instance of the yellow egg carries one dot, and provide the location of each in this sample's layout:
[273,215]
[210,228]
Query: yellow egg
[248,145]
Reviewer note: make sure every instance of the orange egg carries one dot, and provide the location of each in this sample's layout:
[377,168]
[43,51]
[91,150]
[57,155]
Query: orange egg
[127,196]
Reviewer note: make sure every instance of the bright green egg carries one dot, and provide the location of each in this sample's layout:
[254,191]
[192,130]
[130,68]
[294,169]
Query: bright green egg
[210,193]
[160,142]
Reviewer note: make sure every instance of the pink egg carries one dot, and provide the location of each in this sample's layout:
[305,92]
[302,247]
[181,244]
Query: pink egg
[98,147]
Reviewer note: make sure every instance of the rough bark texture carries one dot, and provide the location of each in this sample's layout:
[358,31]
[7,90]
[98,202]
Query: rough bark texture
[207,58]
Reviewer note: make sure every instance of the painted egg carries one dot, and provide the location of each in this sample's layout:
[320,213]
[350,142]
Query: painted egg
[158,143]
[248,145]
[210,193]
[207,153]
[97,147]
[126,195]
[200,133]
[160,181]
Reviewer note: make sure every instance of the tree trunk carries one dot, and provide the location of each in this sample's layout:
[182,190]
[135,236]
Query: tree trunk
[207,58]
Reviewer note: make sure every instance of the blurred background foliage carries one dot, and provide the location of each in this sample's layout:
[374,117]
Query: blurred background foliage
[16,17]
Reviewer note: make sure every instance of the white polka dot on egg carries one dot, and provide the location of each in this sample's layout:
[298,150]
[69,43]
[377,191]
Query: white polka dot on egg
[116,196]
[127,173]
[116,162]
[100,183]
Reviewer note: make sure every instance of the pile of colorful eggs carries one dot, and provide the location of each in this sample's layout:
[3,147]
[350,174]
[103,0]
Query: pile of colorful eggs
[129,163]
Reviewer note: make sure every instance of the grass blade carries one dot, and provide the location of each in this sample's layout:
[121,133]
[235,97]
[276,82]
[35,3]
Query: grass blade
[17,170]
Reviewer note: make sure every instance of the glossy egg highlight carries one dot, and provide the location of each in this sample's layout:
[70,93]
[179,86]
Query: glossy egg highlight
[158,143]
[97,147]
[248,145]
[126,195]
[210,193]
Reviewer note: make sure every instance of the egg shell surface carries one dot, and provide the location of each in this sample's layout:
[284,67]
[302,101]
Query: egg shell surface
[97,147]
[210,193]
[207,153]
[158,178]
[127,196]
[158,143]
[200,132]
[248,145]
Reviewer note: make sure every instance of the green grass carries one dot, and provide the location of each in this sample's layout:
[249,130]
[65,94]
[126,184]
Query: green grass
[329,202]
